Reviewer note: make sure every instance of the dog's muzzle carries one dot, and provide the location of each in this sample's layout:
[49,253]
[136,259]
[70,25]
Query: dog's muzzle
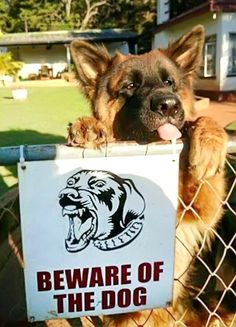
[83,225]
[82,222]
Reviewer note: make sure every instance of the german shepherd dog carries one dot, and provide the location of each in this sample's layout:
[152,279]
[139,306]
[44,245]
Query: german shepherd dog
[147,98]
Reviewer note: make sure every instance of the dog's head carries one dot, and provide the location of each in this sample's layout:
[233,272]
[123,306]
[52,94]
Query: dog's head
[141,97]
[101,207]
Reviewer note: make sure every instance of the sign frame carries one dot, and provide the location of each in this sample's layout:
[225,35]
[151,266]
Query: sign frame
[135,282]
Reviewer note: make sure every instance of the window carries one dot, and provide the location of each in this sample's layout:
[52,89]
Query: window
[232,54]
[208,68]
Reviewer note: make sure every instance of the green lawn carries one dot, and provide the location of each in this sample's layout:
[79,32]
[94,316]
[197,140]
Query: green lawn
[41,119]
[231,127]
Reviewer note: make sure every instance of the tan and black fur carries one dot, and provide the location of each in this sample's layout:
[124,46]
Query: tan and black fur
[131,97]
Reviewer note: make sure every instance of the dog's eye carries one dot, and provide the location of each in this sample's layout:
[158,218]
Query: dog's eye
[168,82]
[99,183]
[131,85]
[71,182]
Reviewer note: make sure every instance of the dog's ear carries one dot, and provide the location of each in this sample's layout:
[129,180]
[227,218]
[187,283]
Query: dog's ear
[187,50]
[91,62]
[134,205]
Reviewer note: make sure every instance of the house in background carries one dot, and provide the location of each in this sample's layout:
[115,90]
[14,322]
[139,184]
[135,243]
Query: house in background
[217,78]
[48,53]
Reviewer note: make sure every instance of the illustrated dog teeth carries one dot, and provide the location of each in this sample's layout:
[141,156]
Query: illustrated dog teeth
[66,212]
[81,211]
[70,207]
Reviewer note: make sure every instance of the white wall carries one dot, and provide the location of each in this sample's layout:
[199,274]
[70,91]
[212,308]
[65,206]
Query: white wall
[123,47]
[34,56]
[228,25]
[221,25]
[163,8]
[176,30]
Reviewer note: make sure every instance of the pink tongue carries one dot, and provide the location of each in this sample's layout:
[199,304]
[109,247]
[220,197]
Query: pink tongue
[168,132]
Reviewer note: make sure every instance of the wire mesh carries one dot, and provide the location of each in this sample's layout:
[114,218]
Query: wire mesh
[210,289]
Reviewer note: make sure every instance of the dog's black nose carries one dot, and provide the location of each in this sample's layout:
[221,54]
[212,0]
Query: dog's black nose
[165,105]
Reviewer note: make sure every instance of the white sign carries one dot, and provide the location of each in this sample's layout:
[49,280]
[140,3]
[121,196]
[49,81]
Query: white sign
[98,234]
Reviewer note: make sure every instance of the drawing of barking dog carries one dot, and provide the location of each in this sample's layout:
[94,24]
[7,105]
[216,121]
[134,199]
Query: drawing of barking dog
[102,208]
[148,98]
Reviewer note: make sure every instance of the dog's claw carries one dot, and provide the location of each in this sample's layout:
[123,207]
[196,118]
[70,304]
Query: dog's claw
[208,147]
[86,132]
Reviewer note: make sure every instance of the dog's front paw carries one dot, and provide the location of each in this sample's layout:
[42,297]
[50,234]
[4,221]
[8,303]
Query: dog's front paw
[208,147]
[86,132]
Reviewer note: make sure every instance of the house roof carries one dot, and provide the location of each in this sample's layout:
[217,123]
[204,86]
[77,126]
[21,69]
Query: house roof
[208,6]
[63,37]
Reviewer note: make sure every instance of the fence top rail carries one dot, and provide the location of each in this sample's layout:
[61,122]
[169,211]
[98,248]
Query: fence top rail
[13,154]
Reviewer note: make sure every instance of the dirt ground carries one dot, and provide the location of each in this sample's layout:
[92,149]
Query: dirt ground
[223,112]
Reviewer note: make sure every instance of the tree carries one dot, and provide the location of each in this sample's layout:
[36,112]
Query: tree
[8,66]
[30,15]
[137,15]
[46,15]
[3,15]
[41,15]
[67,4]
[91,11]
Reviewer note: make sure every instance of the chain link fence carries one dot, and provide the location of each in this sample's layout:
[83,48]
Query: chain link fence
[212,290]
